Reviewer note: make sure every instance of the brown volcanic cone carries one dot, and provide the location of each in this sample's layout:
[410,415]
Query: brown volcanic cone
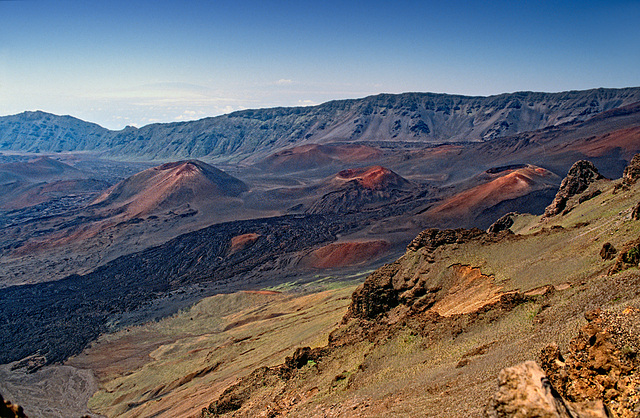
[372,178]
[497,185]
[171,185]
[361,188]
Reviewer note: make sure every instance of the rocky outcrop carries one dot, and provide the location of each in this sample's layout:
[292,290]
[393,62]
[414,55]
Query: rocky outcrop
[385,288]
[629,256]
[601,364]
[632,171]
[608,251]
[578,179]
[596,378]
[430,239]
[525,392]
[635,213]
[503,223]
[235,396]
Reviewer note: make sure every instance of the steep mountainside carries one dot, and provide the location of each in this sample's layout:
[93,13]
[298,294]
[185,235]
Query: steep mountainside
[43,132]
[313,156]
[410,117]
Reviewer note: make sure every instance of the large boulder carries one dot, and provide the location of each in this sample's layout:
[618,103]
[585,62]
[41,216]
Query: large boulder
[502,224]
[578,179]
[525,392]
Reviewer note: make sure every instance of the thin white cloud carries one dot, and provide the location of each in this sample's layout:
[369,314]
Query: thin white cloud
[284,82]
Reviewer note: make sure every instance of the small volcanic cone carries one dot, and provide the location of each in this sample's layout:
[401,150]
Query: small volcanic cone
[503,183]
[169,186]
[361,188]
[372,178]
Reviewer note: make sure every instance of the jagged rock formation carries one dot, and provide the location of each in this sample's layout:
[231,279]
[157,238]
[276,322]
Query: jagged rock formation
[608,251]
[502,224]
[601,364]
[596,378]
[632,171]
[10,410]
[412,117]
[525,392]
[390,285]
[234,396]
[629,256]
[635,213]
[578,179]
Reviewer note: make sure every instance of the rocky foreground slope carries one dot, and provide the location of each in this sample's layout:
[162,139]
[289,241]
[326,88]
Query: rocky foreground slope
[428,334]
[390,118]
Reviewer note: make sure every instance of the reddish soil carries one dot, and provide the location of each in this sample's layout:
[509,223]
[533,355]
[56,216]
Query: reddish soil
[625,139]
[345,254]
[470,291]
[240,242]
[261,292]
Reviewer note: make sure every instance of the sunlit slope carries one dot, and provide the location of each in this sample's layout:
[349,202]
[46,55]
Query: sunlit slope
[174,367]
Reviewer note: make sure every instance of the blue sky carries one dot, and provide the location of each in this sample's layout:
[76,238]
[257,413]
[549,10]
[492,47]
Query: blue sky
[138,62]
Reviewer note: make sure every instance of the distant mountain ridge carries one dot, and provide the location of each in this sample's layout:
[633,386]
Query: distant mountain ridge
[387,118]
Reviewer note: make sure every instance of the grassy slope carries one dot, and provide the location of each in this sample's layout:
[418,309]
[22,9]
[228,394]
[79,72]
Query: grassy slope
[444,368]
[142,369]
